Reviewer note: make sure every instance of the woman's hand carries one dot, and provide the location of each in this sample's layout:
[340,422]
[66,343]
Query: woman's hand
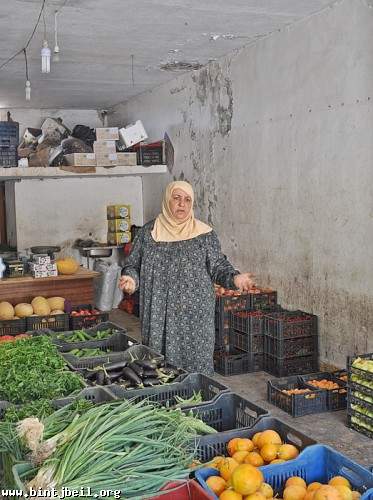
[127,284]
[244,281]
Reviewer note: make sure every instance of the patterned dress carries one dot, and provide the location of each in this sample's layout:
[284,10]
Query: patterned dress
[177,299]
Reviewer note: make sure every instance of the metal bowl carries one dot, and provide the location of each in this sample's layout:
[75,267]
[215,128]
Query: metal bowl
[99,252]
[45,249]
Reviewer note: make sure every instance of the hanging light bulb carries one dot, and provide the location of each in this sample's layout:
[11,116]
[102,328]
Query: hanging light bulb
[45,58]
[56,51]
[28,90]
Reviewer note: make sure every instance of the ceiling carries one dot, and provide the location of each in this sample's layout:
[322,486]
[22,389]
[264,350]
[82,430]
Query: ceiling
[97,39]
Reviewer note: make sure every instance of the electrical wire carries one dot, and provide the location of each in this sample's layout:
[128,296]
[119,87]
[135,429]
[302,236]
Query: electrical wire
[27,78]
[28,41]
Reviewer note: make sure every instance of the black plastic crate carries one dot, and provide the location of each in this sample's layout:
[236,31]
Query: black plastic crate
[250,322]
[247,342]
[282,367]
[224,305]
[290,324]
[297,405]
[263,300]
[336,398]
[9,134]
[359,423]
[338,374]
[354,386]
[123,354]
[216,444]
[290,348]
[12,326]
[235,362]
[80,322]
[165,394]
[63,338]
[8,156]
[358,371]
[55,322]
[229,411]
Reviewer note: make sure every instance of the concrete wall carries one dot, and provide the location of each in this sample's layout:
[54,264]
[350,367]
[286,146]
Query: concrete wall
[277,140]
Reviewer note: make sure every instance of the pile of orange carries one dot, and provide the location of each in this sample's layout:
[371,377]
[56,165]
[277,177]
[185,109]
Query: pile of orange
[338,488]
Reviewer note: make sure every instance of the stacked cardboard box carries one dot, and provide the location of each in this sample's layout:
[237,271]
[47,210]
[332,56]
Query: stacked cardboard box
[105,149]
[119,224]
[43,267]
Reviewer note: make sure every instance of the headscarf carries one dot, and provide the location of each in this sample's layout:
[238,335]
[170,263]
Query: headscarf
[168,228]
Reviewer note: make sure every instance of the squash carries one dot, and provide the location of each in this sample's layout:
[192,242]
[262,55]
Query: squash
[56,303]
[37,299]
[23,310]
[67,265]
[41,307]
[6,310]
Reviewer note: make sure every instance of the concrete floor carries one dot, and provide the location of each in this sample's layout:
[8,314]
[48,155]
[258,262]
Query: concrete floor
[327,428]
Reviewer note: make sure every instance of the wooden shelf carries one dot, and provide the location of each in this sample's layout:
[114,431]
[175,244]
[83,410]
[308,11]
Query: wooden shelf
[17,173]
[82,273]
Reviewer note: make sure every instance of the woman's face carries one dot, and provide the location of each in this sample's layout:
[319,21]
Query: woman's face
[180,204]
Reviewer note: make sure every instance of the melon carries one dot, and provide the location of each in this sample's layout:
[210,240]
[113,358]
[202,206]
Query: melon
[56,303]
[23,310]
[41,307]
[57,311]
[37,299]
[67,265]
[6,310]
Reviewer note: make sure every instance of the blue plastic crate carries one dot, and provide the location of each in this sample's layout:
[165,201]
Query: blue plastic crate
[316,463]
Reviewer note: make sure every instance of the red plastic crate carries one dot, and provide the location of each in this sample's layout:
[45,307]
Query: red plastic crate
[189,490]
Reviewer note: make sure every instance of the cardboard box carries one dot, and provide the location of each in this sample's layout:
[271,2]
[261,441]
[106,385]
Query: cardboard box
[107,134]
[118,212]
[81,159]
[133,134]
[106,159]
[104,147]
[41,259]
[127,159]
[119,238]
[119,225]
[151,154]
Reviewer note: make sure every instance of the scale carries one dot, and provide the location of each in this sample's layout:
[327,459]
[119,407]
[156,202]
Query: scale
[97,252]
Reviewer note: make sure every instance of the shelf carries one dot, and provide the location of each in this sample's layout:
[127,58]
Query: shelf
[18,173]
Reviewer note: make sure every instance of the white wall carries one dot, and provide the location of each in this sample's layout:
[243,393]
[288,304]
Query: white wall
[58,211]
[277,140]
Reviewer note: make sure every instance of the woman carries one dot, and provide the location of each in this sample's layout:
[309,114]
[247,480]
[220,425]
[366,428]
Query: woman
[174,261]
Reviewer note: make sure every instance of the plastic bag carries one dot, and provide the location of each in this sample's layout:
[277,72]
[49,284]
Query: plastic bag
[106,284]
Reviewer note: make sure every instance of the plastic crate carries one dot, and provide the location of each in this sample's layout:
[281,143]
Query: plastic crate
[64,342]
[290,348]
[12,326]
[8,157]
[336,398]
[360,426]
[117,344]
[55,322]
[354,386]
[250,322]
[235,362]
[263,300]
[340,373]
[165,394]
[357,371]
[80,322]
[247,342]
[316,463]
[290,324]
[223,306]
[282,367]
[216,444]
[297,405]
[228,412]
[9,134]
[133,352]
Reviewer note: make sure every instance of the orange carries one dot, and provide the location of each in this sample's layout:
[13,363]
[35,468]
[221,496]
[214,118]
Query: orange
[269,452]
[255,496]
[216,484]
[268,437]
[294,492]
[253,458]
[278,461]
[327,492]
[314,486]
[227,466]
[246,479]
[344,491]
[256,438]
[339,480]
[296,481]
[240,456]
[309,495]
[230,495]
[356,495]
[244,445]
[215,462]
[266,490]
[288,451]
[232,446]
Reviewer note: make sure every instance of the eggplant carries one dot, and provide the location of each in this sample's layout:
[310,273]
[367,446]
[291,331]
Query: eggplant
[115,366]
[90,374]
[150,364]
[130,375]
[100,377]
[150,373]
[148,382]
[139,370]
[114,375]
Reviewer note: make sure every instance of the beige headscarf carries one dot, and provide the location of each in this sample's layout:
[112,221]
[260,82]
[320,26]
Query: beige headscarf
[167,228]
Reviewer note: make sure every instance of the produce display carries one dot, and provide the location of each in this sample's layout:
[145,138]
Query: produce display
[12,338]
[360,399]
[83,335]
[87,352]
[40,306]
[365,365]
[85,312]
[67,265]
[31,369]
[290,392]
[133,448]
[264,448]
[133,374]
[327,385]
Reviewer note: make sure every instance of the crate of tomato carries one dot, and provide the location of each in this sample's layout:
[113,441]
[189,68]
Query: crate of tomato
[85,315]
